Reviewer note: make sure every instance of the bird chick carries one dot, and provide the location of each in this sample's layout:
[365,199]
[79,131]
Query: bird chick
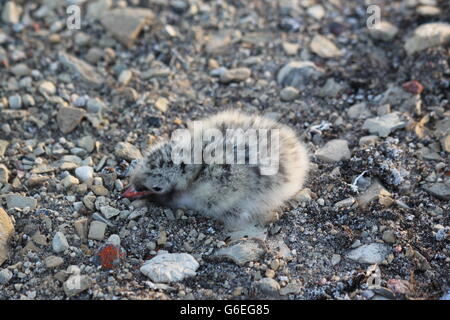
[235,168]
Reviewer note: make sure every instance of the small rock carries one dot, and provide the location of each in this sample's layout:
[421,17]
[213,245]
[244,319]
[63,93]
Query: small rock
[4,174]
[59,242]
[68,118]
[428,11]
[81,228]
[438,190]
[99,190]
[290,49]
[389,236]
[162,104]
[335,259]
[5,276]
[47,88]
[317,12]
[11,12]
[82,69]
[268,286]
[359,111]
[235,75]
[291,288]
[298,73]
[334,151]
[125,24]
[15,101]
[289,94]
[384,31]
[127,151]
[331,89]
[97,8]
[109,212]
[242,252]
[373,253]
[85,174]
[76,284]
[18,201]
[97,230]
[6,232]
[428,35]
[53,262]
[324,47]
[170,267]
[383,126]
[125,77]
[375,191]
[69,181]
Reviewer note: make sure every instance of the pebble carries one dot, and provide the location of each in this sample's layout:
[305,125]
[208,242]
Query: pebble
[68,118]
[359,111]
[162,104]
[289,48]
[289,94]
[11,12]
[317,12]
[95,9]
[374,192]
[428,35]
[268,286]
[438,190]
[373,253]
[334,151]
[5,276]
[59,242]
[81,228]
[15,101]
[76,284]
[4,174]
[97,230]
[384,31]
[127,151]
[383,126]
[109,212]
[99,190]
[125,24]
[6,232]
[53,262]
[125,77]
[335,259]
[81,69]
[170,267]
[389,236]
[298,73]
[85,174]
[47,88]
[324,47]
[69,181]
[241,252]
[235,75]
[19,201]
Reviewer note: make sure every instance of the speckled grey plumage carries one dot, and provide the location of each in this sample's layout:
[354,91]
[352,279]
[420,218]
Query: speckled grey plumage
[235,194]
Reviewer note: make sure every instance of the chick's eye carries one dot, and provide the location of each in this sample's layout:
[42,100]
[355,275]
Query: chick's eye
[156,189]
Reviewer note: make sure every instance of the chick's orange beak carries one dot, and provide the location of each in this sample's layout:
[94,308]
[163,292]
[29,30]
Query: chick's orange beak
[132,193]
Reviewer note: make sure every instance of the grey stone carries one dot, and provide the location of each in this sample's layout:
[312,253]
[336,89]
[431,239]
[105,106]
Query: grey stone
[68,118]
[438,190]
[53,262]
[298,73]
[370,253]
[82,69]
[235,75]
[47,88]
[59,242]
[384,31]
[242,252]
[97,230]
[383,126]
[289,94]
[268,286]
[4,174]
[359,111]
[76,284]
[6,232]
[5,276]
[324,47]
[109,211]
[428,35]
[127,151]
[125,24]
[18,201]
[85,174]
[15,101]
[334,151]
[11,12]
[170,267]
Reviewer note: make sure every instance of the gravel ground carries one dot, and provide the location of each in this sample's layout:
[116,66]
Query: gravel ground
[78,107]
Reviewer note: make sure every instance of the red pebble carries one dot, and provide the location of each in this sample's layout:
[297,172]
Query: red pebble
[109,256]
[413,86]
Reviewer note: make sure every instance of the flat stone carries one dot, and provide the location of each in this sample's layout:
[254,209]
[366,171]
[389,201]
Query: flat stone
[3,146]
[59,242]
[359,111]
[19,201]
[69,181]
[53,262]
[219,43]
[97,230]
[68,118]
[384,31]
[383,126]
[428,35]
[4,174]
[289,48]
[438,190]
[82,69]
[242,252]
[374,192]
[11,12]
[324,47]
[235,75]
[125,24]
[127,151]
[334,151]
[389,236]
[109,212]
[6,232]
[373,253]
[81,227]
[76,284]
[162,104]
[331,89]
[289,94]
[170,267]
[268,286]
[97,8]
[428,11]
[99,190]
[298,73]
[291,288]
